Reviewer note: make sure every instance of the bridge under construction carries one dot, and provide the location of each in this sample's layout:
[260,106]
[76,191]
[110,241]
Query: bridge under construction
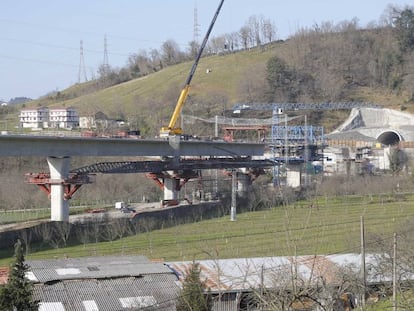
[175,162]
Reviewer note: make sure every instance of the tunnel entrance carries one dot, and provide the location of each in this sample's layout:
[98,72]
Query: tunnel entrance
[389,138]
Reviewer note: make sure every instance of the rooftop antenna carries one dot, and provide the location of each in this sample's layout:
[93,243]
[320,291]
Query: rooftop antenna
[82,70]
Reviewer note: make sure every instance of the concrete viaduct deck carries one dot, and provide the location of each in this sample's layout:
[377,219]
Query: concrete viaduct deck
[28,145]
[59,150]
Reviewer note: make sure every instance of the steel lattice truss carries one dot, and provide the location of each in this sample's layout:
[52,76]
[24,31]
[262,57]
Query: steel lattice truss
[174,165]
[303,106]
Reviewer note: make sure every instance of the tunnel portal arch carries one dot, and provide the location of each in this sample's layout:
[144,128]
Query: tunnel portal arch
[389,137]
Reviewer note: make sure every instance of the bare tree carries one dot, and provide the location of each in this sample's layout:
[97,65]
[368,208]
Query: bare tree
[26,236]
[216,45]
[268,30]
[245,33]
[253,86]
[140,64]
[255,30]
[285,288]
[170,53]
[62,231]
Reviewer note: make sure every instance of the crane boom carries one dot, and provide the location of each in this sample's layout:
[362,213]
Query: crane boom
[172,129]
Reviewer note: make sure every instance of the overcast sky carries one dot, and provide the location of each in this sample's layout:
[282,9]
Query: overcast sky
[40,40]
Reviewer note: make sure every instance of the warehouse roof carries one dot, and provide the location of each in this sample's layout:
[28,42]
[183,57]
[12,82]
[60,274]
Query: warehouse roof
[102,283]
[92,267]
[241,274]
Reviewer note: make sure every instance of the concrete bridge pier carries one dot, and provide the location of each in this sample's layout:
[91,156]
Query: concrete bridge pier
[243,183]
[59,171]
[171,188]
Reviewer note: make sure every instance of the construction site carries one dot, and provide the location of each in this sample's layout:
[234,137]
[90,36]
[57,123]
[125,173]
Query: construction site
[364,144]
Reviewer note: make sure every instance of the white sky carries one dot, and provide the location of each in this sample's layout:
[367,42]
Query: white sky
[40,40]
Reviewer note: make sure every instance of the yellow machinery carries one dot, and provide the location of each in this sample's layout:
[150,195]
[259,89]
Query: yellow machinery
[172,129]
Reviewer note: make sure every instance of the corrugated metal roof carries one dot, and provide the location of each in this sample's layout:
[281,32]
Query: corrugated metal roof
[244,274]
[93,267]
[110,294]
[83,261]
[108,283]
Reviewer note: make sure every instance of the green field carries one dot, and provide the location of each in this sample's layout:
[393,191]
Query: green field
[324,226]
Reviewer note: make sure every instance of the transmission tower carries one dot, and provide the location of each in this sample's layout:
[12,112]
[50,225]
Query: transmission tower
[82,70]
[105,60]
[196,26]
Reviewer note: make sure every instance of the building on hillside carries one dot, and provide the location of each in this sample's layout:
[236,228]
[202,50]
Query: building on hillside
[43,117]
[35,118]
[103,284]
[63,118]
[87,122]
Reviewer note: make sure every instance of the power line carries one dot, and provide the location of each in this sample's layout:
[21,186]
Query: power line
[47,45]
[40,61]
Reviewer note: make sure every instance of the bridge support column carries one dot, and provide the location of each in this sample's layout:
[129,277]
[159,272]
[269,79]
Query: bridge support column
[59,171]
[171,188]
[293,176]
[243,183]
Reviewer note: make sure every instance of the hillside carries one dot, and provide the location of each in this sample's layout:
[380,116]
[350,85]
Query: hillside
[346,65]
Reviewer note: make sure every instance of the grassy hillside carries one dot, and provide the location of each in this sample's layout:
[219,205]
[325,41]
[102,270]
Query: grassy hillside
[342,66]
[162,88]
[324,226]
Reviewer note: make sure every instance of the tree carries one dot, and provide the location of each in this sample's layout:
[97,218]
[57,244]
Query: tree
[286,83]
[286,288]
[404,23]
[171,53]
[192,296]
[18,292]
[398,160]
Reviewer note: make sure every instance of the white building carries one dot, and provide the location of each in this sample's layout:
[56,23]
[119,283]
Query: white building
[87,122]
[43,117]
[63,118]
[34,117]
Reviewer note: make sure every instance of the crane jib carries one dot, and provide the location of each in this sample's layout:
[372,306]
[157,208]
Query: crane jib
[203,45]
[172,130]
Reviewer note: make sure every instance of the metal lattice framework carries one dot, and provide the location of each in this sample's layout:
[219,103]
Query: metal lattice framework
[162,166]
[187,119]
[303,106]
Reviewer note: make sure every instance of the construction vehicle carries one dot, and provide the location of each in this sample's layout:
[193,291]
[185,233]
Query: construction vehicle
[172,129]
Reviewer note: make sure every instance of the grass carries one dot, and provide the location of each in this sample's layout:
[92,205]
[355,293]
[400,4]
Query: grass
[11,216]
[324,226]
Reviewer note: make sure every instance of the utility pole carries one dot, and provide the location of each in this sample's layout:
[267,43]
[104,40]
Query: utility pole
[394,274]
[363,270]
[306,151]
[233,195]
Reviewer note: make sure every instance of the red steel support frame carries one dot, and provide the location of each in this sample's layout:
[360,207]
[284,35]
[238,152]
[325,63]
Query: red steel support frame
[71,184]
